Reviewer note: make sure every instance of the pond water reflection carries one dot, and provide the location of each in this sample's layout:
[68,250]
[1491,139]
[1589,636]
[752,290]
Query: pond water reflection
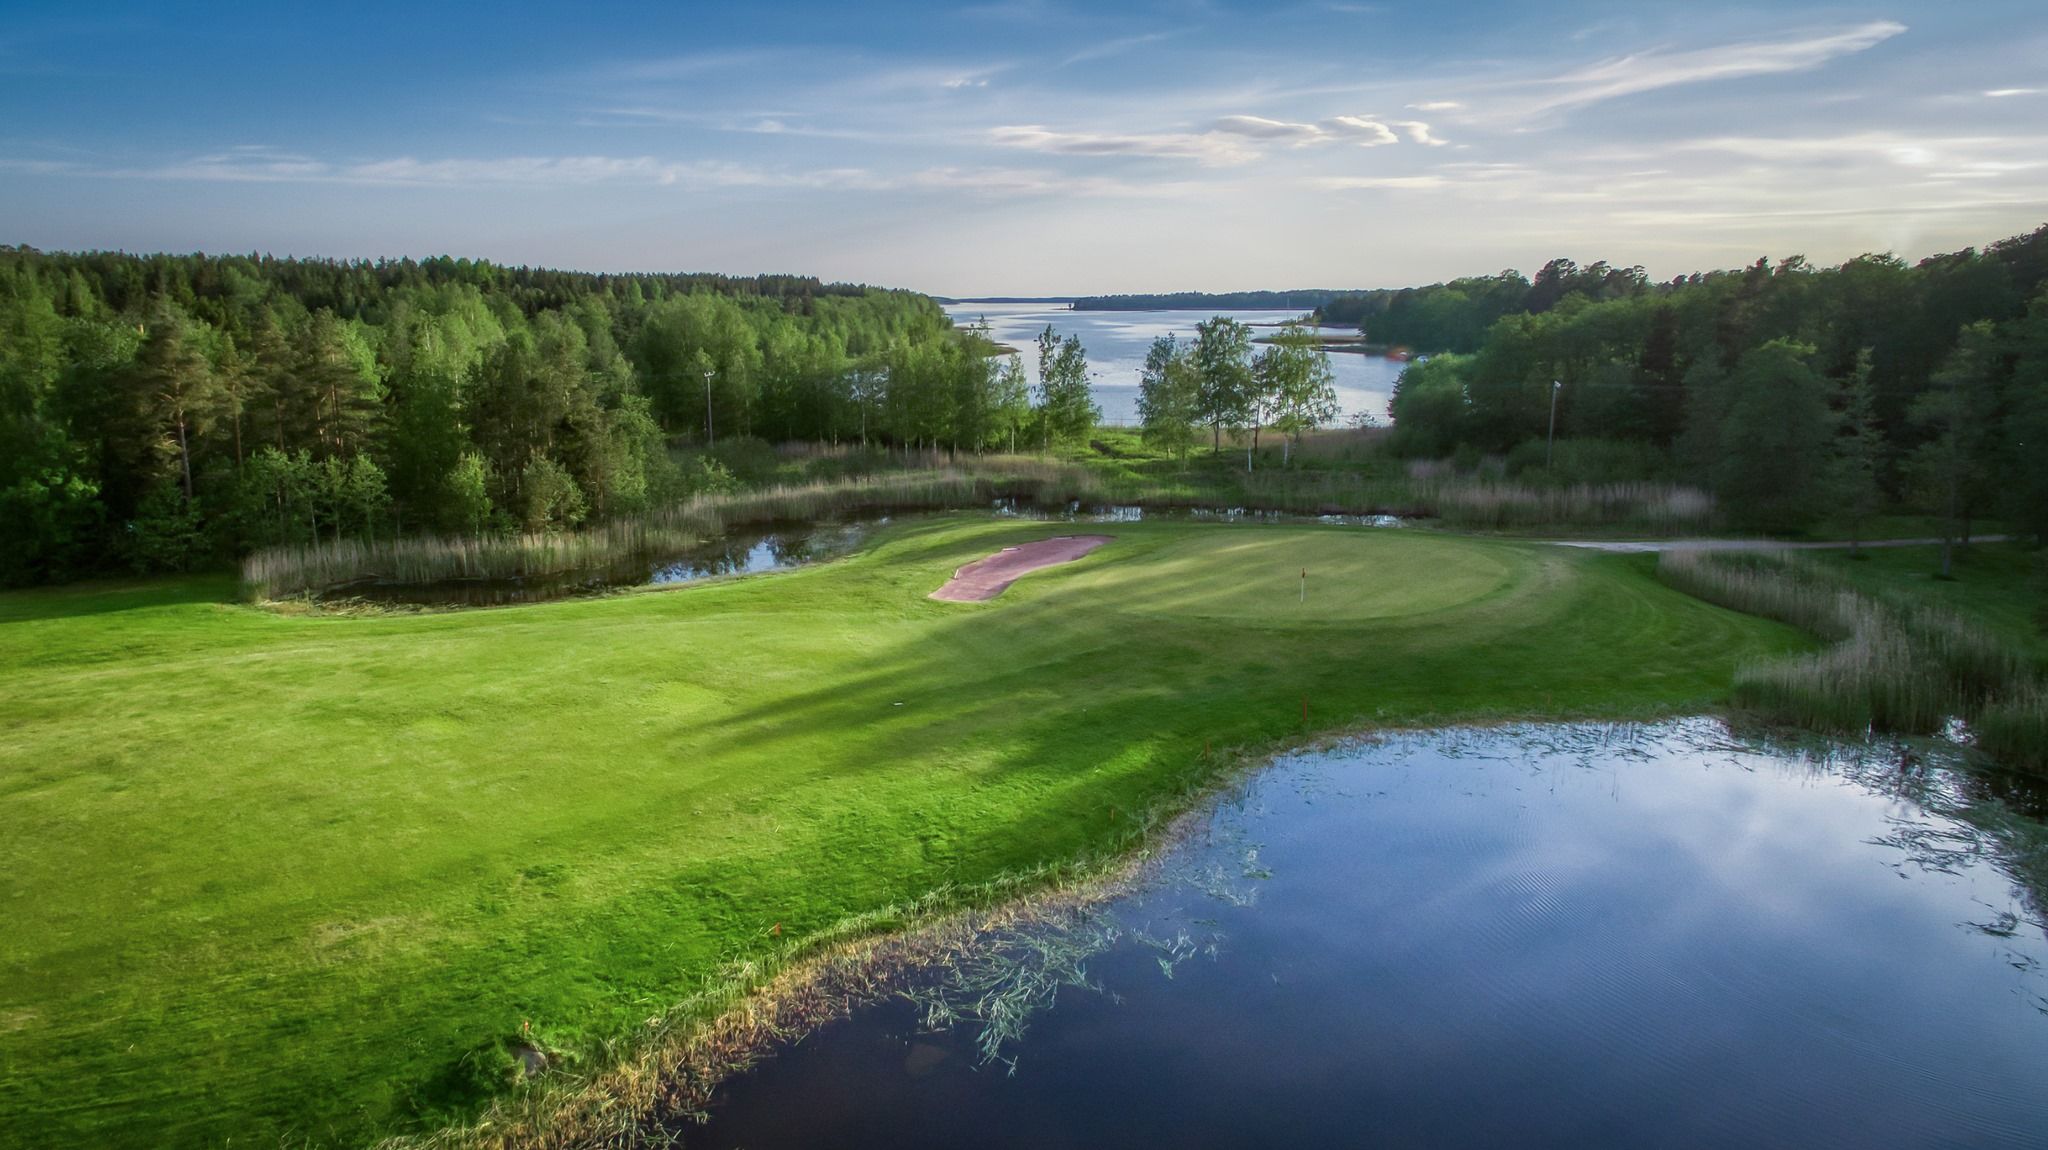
[741,551]
[1535,936]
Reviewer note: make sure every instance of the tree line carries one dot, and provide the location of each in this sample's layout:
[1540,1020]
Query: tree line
[1794,392]
[1455,316]
[165,412]
[1214,381]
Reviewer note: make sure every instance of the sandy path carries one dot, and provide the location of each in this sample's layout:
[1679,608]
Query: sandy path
[1640,546]
[986,578]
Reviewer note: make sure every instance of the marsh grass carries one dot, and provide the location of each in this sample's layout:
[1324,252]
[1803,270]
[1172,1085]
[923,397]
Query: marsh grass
[938,483]
[279,572]
[1659,508]
[2013,728]
[1010,976]
[1894,664]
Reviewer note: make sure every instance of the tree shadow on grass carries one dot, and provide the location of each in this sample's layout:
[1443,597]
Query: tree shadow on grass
[104,597]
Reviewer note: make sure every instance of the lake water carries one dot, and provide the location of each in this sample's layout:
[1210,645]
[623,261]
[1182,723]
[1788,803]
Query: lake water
[1116,342]
[1545,936]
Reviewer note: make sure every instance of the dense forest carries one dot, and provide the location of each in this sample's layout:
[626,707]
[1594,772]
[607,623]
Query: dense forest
[166,412]
[1794,392]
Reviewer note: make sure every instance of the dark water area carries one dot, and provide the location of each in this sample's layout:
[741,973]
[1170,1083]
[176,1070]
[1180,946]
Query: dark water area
[743,551]
[777,547]
[1544,936]
[1076,512]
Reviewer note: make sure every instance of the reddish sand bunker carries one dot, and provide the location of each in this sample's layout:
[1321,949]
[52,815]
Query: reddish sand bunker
[987,578]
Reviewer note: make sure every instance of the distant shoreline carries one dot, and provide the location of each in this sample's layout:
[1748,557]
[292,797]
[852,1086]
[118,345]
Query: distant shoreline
[948,301]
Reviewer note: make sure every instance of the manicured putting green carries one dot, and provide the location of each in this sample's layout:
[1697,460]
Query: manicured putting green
[270,877]
[1257,576]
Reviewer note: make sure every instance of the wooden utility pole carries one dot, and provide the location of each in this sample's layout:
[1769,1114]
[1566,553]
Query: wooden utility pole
[1549,444]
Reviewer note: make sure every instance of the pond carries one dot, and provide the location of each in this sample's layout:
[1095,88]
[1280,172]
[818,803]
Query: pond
[741,551]
[1534,936]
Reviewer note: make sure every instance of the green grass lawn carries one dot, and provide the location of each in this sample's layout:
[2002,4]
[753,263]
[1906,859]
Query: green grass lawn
[269,876]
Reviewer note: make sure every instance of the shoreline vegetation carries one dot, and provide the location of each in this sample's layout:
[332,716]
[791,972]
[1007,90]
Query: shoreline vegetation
[1892,664]
[964,483]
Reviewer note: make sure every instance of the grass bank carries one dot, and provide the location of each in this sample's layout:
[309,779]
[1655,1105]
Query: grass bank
[297,877]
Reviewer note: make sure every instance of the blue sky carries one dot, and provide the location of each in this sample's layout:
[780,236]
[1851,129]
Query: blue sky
[1030,146]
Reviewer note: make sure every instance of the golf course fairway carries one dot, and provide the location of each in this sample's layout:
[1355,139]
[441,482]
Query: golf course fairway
[268,876]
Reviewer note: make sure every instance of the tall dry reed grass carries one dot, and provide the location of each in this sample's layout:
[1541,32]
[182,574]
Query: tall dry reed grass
[937,481]
[1894,665]
[285,571]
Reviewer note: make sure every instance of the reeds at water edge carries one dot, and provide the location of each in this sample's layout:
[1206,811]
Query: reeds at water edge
[279,572]
[1894,665]
[312,568]
[2013,728]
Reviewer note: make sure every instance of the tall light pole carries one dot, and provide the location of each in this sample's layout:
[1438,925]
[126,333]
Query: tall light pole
[710,433]
[1551,443]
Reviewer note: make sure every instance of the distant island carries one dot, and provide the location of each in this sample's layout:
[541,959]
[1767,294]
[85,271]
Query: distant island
[950,301]
[1306,299]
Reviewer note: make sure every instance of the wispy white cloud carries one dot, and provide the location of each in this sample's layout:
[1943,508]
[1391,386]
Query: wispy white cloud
[1362,130]
[1437,106]
[1105,49]
[258,165]
[264,166]
[1216,148]
[1380,183]
[2008,93]
[1650,71]
[1260,128]
[1365,131]
[1419,132]
[1905,149]
[1229,140]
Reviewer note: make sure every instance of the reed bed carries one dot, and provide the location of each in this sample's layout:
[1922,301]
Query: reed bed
[1895,665]
[1455,501]
[279,572]
[2013,728]
[942,482]
[1662,508]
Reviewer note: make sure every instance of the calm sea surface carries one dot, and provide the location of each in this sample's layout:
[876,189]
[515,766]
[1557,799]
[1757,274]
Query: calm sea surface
[1116,342]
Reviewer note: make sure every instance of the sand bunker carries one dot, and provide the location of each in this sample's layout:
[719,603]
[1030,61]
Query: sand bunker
[987,578]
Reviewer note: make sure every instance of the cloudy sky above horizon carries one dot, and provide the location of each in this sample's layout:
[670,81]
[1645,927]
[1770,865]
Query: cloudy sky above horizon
[1031,146]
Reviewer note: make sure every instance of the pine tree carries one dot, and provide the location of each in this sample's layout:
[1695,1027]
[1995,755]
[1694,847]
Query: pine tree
[1859,452]
[180,390]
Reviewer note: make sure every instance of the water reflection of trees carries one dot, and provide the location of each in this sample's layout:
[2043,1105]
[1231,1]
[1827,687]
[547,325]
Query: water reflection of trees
[1960,812]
